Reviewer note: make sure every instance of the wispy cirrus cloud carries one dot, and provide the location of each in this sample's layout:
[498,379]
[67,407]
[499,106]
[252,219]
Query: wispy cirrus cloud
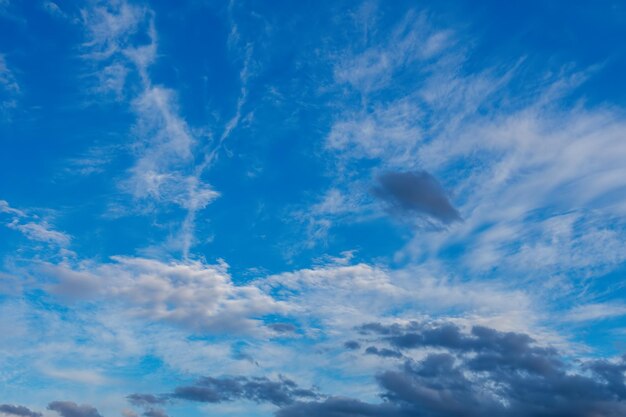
[165,170]
[596,311]
[9,88]
[8,83]
[540,169]
[33,227]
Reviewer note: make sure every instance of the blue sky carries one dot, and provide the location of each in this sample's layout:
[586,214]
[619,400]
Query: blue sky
[246,208]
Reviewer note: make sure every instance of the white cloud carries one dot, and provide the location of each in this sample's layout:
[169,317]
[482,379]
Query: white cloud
[597,311]
[164,146]
[53,9]
[391,132]
[537,180]
[109,26]
[9,88]
[543,176]
[34,228]
[165,171]
[373,68]
[8,82]
[338,297]
[5,207]
[84,376]
[41,232]
[199,297]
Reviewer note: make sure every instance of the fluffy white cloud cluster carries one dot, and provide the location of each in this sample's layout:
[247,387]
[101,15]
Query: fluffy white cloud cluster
[199,297]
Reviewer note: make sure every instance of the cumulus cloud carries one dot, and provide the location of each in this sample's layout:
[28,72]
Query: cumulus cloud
[190,294]
[279,392]
[459,373]
[415,193]
[17,411]
[336,295]
[483,372]
[71,409]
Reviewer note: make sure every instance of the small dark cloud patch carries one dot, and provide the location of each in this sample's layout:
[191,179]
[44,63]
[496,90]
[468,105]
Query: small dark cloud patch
[155,412]
[378,328]
[415,193]
[148,403]
[383,352]
[18,410]
[143,400]
[340,407]
[283,327]
[71,409]
[352,345]
[216,390]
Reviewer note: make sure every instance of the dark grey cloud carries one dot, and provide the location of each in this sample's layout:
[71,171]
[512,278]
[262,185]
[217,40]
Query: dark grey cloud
[384,352]
[71,409]
[481,373]
[148,403]
[352,345]
[283,327]
[143,400]
[18,410]
[155,412]
[215,390]
[415,193]
[476,373]
[488,345]
[338,407]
